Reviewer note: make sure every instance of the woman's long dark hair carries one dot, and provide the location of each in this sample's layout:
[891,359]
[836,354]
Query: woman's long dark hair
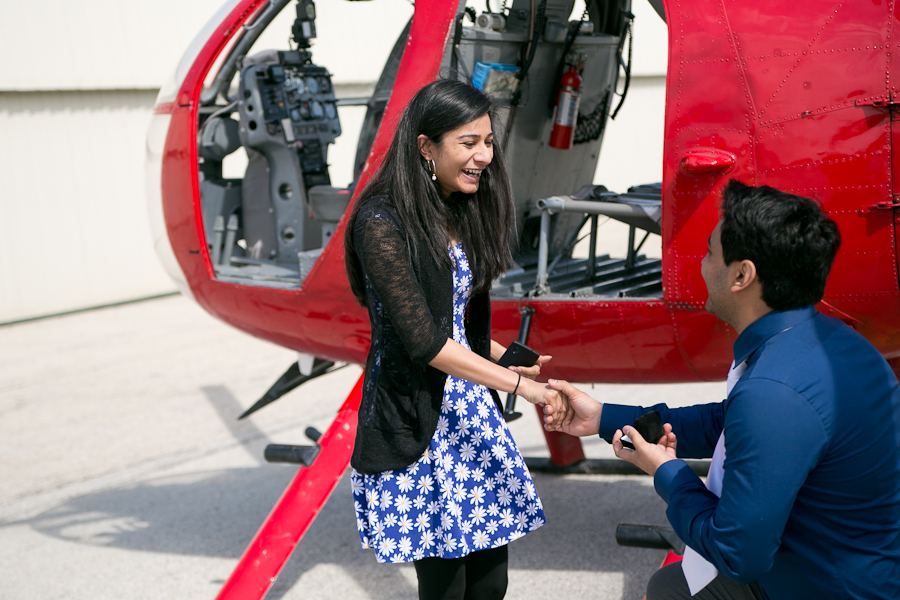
[482,221]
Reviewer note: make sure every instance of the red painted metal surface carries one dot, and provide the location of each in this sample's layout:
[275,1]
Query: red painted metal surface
[297,508]
[670,558]
[586,338]
[706,161]
[800,96]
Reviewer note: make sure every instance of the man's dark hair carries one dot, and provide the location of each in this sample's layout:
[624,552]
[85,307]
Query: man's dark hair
[789,238]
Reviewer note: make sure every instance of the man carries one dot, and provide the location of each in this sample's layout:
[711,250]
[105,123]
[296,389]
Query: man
[808,464]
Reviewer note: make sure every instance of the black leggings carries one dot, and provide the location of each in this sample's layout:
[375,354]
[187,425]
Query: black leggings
[479,575]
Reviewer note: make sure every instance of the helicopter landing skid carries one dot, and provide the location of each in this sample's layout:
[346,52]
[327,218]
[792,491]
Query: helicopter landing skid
[297,508]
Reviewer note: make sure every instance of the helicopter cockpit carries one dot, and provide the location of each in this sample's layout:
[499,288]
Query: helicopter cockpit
[267,228]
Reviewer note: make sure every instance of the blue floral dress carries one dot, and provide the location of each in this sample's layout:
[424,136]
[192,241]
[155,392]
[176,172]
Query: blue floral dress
[470,490]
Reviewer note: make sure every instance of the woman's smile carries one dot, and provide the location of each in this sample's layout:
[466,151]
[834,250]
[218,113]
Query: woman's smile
[474,174]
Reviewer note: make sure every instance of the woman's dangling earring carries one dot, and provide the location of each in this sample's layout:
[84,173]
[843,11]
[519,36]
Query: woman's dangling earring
[431,164]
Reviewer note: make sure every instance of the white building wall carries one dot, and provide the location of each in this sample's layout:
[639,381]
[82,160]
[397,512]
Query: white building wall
[633,144]
[73,220]
[78,81]
[111,44]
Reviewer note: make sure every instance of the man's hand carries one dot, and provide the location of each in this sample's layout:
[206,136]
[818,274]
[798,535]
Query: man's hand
[583,415]
[647,456]
[533,371]
[555,404]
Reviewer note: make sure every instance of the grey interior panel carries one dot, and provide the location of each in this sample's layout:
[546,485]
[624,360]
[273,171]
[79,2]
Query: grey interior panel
[259,223]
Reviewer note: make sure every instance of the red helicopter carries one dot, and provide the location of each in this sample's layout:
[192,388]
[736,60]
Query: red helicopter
[799,97]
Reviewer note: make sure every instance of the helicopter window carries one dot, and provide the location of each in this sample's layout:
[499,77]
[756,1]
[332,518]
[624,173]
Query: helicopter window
[586,43]
[562,258]
[268,119]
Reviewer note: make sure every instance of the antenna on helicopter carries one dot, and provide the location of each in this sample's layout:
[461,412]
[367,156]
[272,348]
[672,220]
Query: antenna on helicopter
[304,28]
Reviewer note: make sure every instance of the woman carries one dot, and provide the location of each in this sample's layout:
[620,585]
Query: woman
[437,478]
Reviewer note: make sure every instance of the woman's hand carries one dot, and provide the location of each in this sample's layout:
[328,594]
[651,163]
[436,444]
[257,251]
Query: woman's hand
[533,371]
[461,362]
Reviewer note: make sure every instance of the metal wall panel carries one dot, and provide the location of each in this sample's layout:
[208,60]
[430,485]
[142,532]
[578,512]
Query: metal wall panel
[73,221]
[651,41]
[110,44]
[632,149]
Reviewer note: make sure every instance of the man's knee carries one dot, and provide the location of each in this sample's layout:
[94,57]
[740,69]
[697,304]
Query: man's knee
[668,584]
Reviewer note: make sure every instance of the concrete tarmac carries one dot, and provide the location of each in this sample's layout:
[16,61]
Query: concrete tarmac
[125,473]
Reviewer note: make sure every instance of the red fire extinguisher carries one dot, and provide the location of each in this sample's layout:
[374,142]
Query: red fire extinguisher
[566,111]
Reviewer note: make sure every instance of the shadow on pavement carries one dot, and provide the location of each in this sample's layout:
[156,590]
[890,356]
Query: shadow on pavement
[217,513]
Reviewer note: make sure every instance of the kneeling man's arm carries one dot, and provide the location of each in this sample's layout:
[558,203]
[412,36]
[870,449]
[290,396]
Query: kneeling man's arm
[773,438]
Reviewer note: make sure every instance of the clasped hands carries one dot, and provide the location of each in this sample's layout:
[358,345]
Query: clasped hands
[569,410]
[554,403]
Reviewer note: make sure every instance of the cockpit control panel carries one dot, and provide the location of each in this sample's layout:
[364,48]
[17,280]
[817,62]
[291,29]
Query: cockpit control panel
[288,115]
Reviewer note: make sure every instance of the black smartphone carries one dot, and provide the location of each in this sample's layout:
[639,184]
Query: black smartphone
[518,355]
[649,425]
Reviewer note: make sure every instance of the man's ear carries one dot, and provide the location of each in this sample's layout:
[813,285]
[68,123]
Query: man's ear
[743,275]
[426,146]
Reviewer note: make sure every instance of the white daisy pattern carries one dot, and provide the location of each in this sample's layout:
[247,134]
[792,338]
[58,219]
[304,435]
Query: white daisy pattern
[443,504]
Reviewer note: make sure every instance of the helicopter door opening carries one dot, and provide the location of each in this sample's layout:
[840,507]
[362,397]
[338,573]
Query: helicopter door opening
[269,227]
[554,73]
[559,272]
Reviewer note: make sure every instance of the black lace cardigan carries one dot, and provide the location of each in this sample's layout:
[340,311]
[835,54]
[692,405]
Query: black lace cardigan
[410,302]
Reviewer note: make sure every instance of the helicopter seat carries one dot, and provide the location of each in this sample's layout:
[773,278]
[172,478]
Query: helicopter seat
[644,204]
[634,276]
[327,205]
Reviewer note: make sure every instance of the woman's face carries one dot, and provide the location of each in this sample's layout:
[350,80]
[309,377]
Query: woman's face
[461,156]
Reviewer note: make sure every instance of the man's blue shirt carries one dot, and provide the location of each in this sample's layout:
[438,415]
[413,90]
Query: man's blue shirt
[810,504]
